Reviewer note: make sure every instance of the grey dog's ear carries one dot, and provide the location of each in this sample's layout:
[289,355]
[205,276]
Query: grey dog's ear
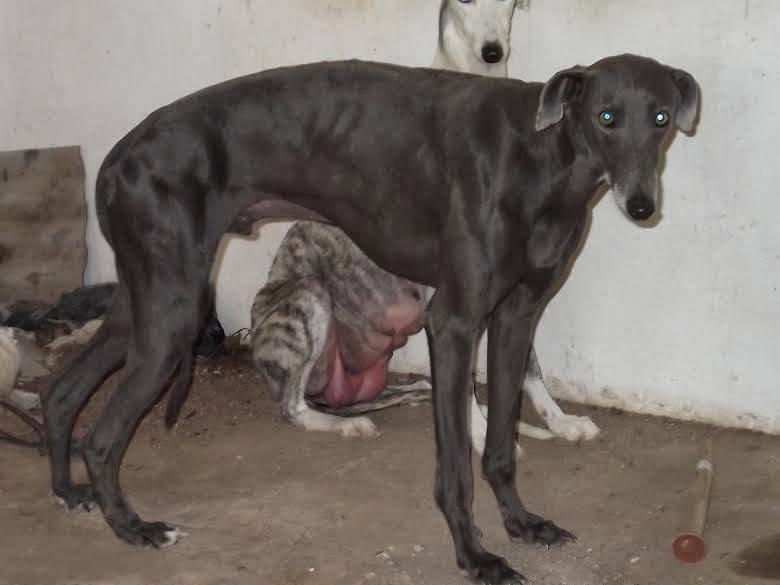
[564,87]
[689,105]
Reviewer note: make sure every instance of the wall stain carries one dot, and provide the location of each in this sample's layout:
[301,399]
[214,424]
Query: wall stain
[34,278]
[30,156]
[340,8]
[5,253]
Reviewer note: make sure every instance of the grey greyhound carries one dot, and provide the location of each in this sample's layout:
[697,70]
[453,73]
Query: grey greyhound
[346,375]
[477,187]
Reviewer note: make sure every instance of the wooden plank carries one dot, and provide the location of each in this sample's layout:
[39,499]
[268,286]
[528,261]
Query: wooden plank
[43,217]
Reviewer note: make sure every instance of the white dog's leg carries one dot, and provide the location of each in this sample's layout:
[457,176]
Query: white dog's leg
[567,426]
[478,428]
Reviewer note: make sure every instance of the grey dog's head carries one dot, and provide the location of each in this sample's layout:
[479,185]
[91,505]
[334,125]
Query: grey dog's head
[626,106]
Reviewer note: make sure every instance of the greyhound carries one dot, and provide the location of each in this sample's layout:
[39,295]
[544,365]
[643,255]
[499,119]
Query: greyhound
[477,187]
[358,298]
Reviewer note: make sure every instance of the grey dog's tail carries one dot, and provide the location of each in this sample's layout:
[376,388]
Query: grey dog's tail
[180,390]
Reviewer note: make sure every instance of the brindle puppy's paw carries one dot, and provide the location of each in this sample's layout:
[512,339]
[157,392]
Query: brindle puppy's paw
[147,534]
[78,498]
[537,530]
[489,569]
[359,426]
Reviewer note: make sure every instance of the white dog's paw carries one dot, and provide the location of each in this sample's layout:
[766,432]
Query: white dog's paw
[359,426]
[573,428]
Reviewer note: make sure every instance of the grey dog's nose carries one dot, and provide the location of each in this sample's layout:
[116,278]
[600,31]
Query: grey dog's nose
[492,53]
[640,207]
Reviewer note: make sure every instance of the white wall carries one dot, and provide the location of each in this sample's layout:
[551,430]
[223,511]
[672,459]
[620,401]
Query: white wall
[677,320]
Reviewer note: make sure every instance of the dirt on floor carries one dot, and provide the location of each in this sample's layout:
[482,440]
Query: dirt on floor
[265,503]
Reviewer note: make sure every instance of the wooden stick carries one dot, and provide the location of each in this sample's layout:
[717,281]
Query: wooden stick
[689,546]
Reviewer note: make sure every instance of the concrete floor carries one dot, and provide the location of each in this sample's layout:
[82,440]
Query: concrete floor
[265,503]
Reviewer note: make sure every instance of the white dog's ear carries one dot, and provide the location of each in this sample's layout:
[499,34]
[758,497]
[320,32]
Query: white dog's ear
[564,87]
[689,105]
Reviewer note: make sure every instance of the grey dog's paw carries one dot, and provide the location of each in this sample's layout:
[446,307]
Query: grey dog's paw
[489,569]
[75,498]
[537,530]
[148,534]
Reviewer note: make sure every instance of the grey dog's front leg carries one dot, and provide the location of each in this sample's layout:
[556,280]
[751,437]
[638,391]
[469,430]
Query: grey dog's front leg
[451,342]
[509,341]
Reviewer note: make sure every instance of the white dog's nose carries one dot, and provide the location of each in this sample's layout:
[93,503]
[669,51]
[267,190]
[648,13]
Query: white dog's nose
[492,53]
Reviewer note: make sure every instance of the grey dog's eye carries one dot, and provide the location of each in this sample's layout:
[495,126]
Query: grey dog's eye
[661,119]
[465,1]
[606,118]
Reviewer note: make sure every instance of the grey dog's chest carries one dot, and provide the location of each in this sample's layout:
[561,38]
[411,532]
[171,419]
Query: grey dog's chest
[552,241]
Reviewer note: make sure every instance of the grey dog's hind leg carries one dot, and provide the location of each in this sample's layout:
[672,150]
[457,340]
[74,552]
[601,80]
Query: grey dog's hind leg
[290,327]
[72,389]
[164,329]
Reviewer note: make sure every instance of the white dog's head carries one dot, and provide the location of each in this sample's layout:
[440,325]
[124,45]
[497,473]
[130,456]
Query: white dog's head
[477,32]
